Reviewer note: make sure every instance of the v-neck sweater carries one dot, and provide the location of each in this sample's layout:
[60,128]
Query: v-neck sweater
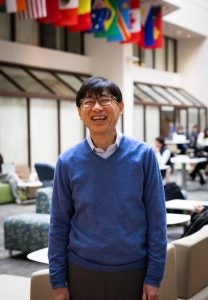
[108,214]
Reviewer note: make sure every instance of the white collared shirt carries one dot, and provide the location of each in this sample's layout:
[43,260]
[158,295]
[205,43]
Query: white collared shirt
[110,150]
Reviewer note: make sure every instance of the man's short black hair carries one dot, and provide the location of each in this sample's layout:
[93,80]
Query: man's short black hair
[94,87]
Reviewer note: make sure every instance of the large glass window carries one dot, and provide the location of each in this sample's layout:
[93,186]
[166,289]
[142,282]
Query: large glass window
[5,31]
[74,42]
[26,31]
[152,93]
[13,130]
[203,118]
[72,129]
[161,58]
[152,123]
[6,85]
[138,122]
[70,80]
[168,96]
[53,83]
[193,118]
[171,49]
[167,120]
[21,77]
[44,133]
[51,37]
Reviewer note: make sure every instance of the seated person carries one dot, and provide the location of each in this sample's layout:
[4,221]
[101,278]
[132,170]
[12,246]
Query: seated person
[199,218]
[11,178]
[163,155]
[202,142]
[181,132]
[193,140]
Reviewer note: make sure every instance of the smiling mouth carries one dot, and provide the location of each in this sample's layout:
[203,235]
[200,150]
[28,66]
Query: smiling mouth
[99,118]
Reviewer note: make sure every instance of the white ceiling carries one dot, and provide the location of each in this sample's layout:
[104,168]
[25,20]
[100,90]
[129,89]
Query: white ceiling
[178,32]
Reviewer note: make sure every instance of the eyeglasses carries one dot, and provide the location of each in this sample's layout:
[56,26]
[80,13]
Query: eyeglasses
[103,101]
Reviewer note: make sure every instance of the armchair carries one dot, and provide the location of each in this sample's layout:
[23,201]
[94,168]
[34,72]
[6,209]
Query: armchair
[45,173]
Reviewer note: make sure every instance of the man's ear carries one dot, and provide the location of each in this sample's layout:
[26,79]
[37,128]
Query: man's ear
[121,107]
[79,112]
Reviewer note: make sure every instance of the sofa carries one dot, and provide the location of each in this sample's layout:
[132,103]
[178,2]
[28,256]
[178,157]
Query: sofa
[185,276]
[29,232]
[192,265]
[5,193]
[168,287]
[186,271]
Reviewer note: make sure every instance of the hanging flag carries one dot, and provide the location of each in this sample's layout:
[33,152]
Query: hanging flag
[11,6]
[135,22]
[158,30]
[152,36]
[21,5]
[2,6]
[123,22]
[110,22]
[53,12]
[69,13]
[147,29]
[99,14]
[84,17]
[34,9]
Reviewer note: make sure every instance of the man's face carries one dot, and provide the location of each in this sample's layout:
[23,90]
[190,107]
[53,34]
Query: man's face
[101,119]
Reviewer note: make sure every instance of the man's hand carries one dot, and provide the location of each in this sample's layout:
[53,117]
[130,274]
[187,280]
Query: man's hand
[61,294]
[150,292]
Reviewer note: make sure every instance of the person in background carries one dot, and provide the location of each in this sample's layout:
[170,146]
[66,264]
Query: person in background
[163,155]
[107,235]
[193,139]
[180,131]
[202,140]
[202,143]
[11,178]
[199,218]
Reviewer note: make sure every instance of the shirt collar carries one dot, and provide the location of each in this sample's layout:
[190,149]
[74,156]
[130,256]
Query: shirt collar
[117,141]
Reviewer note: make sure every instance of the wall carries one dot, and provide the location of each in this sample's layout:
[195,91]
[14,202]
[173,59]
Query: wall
[193,66]
[44,58]
[192,15]
[111,60]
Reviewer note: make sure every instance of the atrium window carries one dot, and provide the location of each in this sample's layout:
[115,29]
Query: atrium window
[161,58]
[5,32]
[16,29]
[26,31]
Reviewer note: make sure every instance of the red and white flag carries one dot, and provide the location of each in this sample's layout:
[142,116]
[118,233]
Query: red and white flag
[135,22]
[53,12]
[69,13]
[34,9]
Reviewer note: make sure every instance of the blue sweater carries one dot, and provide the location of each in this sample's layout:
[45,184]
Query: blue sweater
[108,214]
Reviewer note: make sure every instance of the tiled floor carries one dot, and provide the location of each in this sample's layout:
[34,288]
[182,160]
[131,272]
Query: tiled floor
[20,265]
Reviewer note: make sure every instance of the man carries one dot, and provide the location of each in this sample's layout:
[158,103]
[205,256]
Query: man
[107,237]
[163,155]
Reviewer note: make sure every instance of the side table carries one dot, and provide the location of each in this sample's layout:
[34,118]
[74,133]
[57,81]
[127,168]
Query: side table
[27,189]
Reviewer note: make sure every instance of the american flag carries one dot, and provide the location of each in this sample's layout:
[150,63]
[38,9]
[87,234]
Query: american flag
[34,9]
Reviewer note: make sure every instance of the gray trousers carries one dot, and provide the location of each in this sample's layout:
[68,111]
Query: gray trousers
[13,180]
[87,284]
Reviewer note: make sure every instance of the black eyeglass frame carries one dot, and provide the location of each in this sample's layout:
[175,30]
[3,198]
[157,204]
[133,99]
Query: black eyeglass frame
[101,100]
